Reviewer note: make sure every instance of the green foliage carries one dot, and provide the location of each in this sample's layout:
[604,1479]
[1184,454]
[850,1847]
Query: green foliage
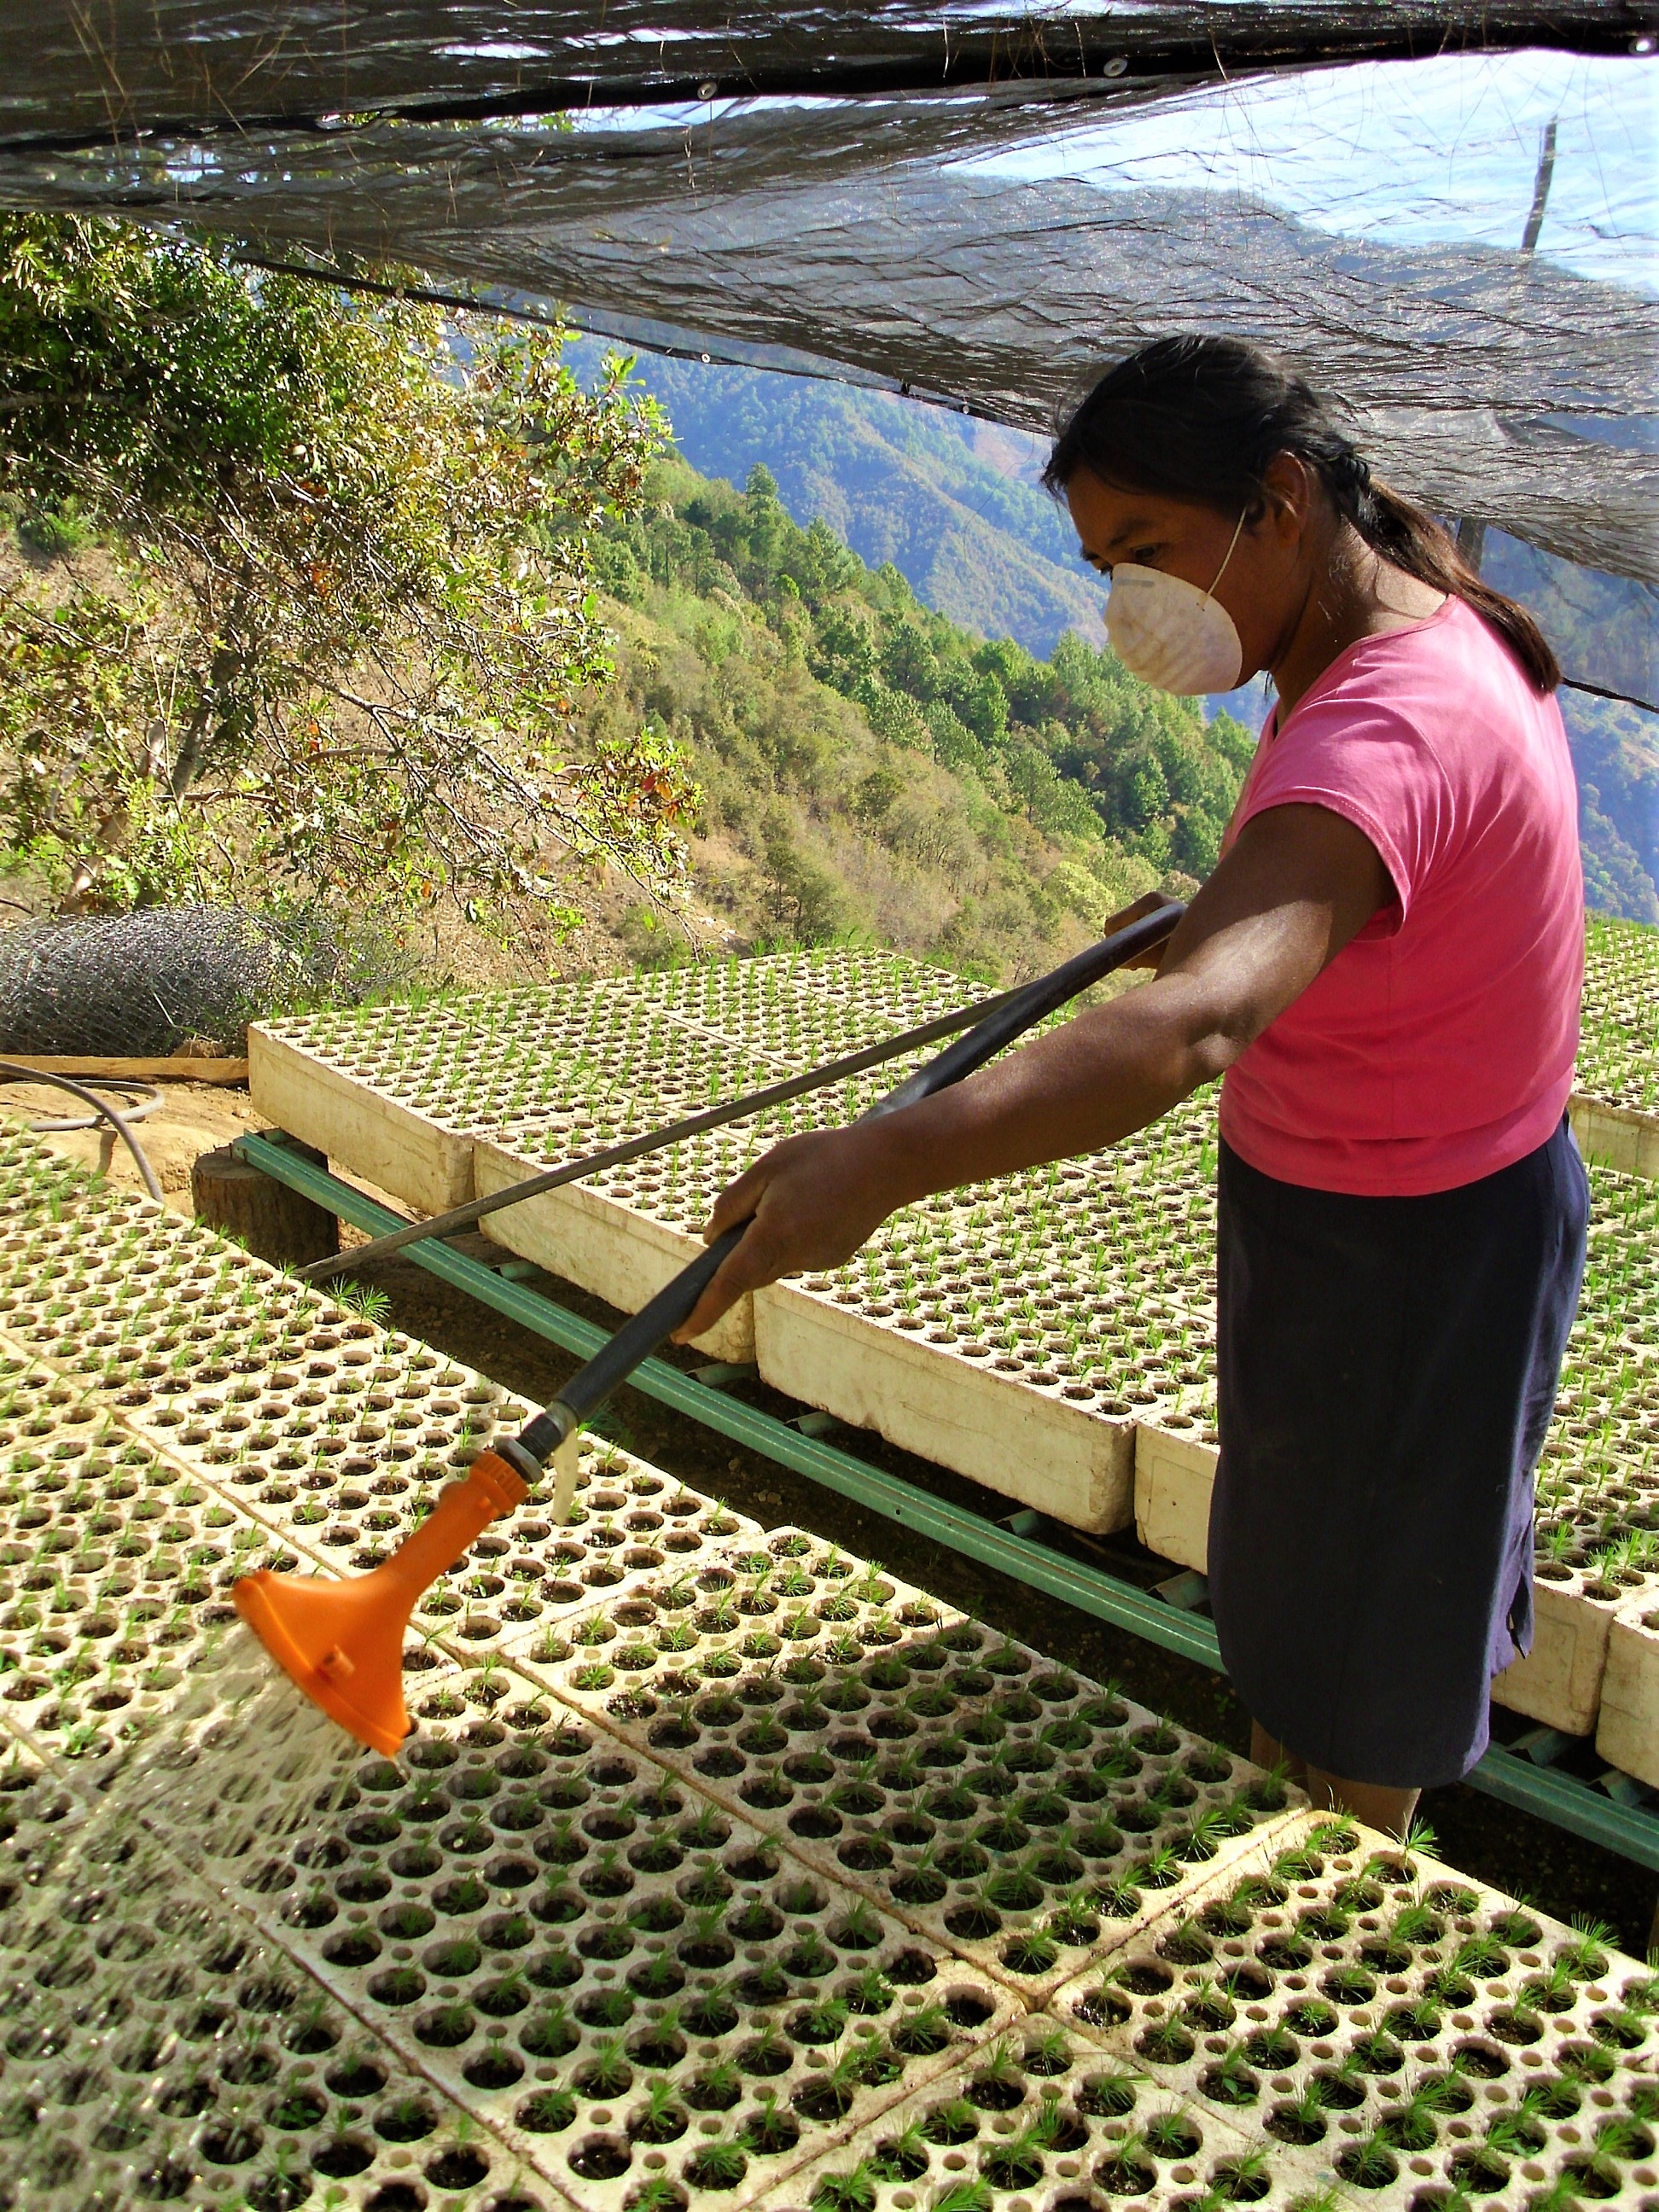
[1615,749]
[1075,743]
[879,766]
[952,502]
[343,611]
[955,504]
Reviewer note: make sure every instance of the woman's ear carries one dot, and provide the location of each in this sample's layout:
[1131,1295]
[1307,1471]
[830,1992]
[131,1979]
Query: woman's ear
[1288,491]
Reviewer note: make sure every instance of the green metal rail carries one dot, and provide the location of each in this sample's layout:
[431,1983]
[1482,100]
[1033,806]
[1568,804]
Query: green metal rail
[1562,1799]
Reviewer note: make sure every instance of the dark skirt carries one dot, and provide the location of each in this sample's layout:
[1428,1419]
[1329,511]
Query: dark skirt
[1388,1368]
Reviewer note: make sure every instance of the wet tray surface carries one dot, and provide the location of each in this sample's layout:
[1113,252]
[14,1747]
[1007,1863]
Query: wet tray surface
[615,1977]
[723,1869]
[1009,1810]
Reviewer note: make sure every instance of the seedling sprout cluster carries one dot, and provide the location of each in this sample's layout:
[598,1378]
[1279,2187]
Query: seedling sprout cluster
[1089,1286]
[1619,1050]
[1376,2028]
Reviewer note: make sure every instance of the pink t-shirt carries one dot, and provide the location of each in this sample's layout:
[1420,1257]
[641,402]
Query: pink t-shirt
[1439,1045]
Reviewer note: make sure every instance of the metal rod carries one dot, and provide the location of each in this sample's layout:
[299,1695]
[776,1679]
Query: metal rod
[1542,1791]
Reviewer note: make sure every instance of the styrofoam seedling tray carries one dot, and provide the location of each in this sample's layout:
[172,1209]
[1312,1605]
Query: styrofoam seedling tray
[613,1975]
[589,1234]
[1618,1048]
[405,1103]
[1043,2120]
[988,1418]
[524,1577]
[115,1571]
[1174,1475]
[1334,1992]
[702,1621]
[288,1392]
[1560,1681]
[808,1007]
[422,1152]
[1011,1812]
[1627,1728]
[1623,1137]
[162,2052]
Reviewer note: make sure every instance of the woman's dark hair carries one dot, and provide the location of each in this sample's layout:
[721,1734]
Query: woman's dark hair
[1200,418]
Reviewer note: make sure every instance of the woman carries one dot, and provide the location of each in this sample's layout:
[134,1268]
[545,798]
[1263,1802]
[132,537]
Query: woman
[1385,966]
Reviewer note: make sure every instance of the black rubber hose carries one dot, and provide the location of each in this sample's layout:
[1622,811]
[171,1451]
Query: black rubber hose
[14,1071]
[650,1328]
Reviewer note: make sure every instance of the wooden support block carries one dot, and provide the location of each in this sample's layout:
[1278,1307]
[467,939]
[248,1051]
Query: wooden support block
[274,1223]
[175,1067]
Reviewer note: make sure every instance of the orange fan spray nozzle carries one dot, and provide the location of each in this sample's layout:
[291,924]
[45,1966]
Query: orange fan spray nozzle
[342,1641]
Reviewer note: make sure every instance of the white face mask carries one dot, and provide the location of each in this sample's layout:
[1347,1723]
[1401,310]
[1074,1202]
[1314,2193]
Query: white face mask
[1169,633]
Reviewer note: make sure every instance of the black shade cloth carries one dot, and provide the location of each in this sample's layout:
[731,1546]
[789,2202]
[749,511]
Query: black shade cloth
[1483,382]
[75,68]
[845,231]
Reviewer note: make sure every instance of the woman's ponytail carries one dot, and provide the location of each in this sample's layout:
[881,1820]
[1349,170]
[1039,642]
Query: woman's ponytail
[1200,418]
[1403,533]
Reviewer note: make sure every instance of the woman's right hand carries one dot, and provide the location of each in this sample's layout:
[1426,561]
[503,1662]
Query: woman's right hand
[815,1199]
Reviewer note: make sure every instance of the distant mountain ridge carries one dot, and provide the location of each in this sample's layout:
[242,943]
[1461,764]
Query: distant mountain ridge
[952,503]
[955,506]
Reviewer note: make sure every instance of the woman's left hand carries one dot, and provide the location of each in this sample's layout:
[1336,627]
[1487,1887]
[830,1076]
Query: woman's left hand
[815,1199]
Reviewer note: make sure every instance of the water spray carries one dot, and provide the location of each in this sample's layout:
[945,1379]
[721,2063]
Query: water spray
[341,1641]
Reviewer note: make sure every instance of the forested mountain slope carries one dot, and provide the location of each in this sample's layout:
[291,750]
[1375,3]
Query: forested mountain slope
[867,763]
[956,507]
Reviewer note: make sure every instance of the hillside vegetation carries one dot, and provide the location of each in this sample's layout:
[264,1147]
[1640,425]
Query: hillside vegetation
[955,505]
[867,765]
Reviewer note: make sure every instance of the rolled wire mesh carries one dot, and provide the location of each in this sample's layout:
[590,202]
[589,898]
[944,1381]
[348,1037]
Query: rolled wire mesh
[147,983]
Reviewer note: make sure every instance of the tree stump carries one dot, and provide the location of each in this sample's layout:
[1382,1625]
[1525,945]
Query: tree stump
[274,1223]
